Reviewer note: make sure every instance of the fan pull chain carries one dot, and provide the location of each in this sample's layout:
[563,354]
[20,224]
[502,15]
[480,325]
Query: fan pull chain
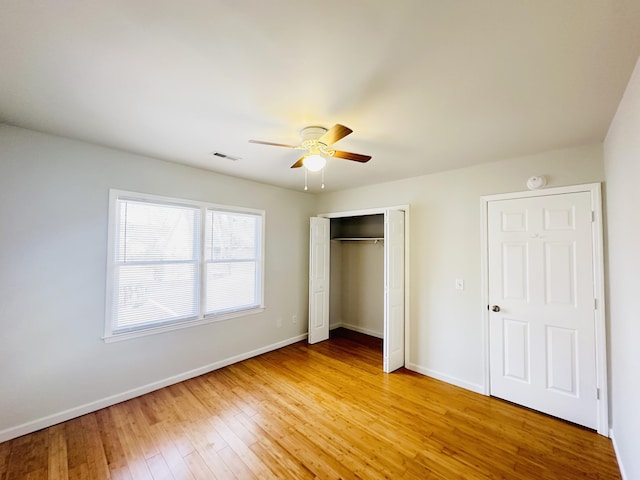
[306,187]
[322,186]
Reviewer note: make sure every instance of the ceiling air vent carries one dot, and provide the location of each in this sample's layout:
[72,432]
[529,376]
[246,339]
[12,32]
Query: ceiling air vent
[224,155]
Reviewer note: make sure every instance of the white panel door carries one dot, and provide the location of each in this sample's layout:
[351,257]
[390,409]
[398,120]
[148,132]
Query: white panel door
[319,277]
[541,293]
[393,290]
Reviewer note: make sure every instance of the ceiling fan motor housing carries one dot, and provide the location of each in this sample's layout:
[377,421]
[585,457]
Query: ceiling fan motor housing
[312,133]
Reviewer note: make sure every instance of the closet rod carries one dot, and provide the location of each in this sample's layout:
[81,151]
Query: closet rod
[359,239]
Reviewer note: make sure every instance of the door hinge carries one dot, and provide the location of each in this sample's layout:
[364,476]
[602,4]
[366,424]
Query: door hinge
[595,303]
[597,394]
[593,215]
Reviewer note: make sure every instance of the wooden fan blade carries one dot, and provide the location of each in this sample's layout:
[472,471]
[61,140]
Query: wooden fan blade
[298,164]
[352,156]
[334,134]
[274,144]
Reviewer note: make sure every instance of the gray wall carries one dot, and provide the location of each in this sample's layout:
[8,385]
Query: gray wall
[53,234]
[445,323]
[357,286]
[622,168]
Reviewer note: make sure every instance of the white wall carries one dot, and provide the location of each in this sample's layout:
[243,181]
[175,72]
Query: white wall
[335,285]
[622,169]
[445,324]
[361,273]
[53,231]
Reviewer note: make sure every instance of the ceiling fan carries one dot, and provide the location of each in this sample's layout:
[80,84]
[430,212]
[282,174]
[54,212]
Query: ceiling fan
[316,141]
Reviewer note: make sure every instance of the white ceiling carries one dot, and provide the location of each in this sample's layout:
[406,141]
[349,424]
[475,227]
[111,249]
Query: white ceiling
[426,85]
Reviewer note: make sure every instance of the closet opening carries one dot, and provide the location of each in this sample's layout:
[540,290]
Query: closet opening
[357,279]
[356,300]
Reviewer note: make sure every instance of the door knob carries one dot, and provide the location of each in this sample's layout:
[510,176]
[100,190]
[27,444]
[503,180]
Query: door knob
[495,308]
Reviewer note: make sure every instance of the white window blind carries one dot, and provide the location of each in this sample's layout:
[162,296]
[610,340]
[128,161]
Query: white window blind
[174,262]
[232,256]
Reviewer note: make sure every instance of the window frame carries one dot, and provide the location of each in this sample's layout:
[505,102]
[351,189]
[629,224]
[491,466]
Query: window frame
[111,332]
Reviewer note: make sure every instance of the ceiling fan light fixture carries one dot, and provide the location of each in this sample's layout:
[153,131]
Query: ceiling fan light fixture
[314,163]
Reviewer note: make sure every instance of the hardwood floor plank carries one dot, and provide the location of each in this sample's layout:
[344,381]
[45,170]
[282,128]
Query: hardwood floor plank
[122,473]
[235,464]
[334,431]
[79,472]
[133,451]
[76,453]
[18,464]
[159,468]
[300,446]
[216,464]
[297,419]
[5,452]
[323,411]
[278,458]
[173,422]
[112,447]
[97,465]
[57,467]
[175,461]
[198,467]
[140,428]
[39,474]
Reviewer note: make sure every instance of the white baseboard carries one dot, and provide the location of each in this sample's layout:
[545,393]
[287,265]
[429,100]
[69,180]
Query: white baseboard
[49,420]
[356,328]
[615,450]
[446,378]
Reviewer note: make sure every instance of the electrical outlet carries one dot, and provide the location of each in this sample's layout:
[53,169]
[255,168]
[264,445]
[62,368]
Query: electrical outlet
[294,318]
[279,322]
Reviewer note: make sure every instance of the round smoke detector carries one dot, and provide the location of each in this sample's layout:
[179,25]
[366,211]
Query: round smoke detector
[534,183]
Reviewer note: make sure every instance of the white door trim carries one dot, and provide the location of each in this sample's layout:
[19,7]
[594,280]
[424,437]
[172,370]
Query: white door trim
[595,190]
[407,261]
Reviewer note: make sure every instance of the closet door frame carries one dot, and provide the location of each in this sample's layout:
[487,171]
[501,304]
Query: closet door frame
[407,262]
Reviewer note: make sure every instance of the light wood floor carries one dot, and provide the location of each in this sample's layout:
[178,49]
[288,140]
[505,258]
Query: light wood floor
[324,411]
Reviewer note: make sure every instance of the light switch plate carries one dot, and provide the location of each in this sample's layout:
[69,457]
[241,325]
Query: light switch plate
[459,284]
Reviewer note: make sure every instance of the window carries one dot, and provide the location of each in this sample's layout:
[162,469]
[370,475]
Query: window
[173,263]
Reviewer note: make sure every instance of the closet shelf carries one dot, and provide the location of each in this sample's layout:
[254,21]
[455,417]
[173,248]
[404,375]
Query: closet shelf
[359,239]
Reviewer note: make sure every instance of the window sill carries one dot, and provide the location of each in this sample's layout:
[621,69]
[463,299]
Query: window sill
[116,337]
